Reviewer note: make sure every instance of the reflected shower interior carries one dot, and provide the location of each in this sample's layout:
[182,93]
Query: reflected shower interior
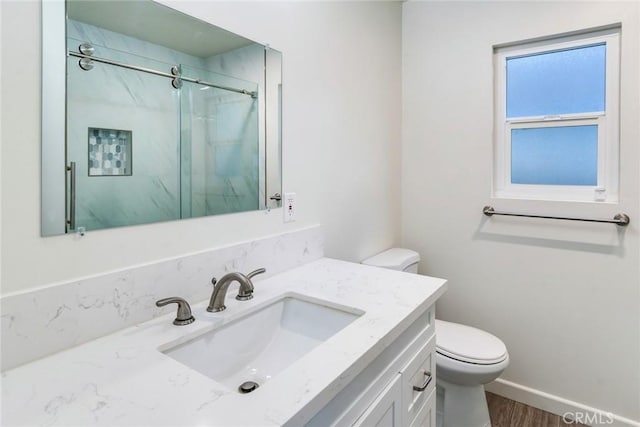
[159,125]
[196,151]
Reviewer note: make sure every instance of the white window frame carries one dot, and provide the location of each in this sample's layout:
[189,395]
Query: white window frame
[606,189]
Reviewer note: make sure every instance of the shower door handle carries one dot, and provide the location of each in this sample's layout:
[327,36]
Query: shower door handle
[72,195]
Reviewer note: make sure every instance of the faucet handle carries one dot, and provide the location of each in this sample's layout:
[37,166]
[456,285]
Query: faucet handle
[256,272]
[244,295]
[184,316]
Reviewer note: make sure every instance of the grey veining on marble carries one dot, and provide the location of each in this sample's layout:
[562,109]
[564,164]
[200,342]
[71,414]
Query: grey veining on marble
[41,322]
[123,379]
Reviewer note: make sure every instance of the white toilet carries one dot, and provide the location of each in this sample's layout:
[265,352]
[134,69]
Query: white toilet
[466,358]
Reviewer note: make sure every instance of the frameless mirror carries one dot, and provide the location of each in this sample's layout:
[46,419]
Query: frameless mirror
[152,115]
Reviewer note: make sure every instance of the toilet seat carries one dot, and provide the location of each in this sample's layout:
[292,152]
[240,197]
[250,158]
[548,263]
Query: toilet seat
[465,373]
[469,345]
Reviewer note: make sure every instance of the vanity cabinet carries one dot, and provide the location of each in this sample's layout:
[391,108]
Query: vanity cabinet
[383,394]
[364,338]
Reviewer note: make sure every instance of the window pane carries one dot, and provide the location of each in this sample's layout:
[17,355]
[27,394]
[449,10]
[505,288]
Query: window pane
[555,155]
[561,82]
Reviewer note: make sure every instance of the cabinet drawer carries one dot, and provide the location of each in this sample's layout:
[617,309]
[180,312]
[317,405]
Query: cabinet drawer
[418,382]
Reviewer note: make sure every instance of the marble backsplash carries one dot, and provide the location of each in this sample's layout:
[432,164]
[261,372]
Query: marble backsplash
[44,321]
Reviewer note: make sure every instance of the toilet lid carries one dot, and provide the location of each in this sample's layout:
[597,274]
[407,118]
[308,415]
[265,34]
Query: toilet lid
[468,344]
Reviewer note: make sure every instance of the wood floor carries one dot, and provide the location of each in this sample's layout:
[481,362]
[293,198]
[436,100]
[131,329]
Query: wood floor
[509,413]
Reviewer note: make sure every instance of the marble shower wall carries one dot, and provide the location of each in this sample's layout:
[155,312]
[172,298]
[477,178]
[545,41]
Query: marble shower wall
[47,320]
[247,63]
[222,157]
[110,97]
[221,131]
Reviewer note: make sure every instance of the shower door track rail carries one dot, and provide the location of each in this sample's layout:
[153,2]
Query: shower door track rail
[252,94]
[620,219]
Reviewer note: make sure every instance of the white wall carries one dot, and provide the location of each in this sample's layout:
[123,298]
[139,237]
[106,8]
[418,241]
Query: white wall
[341,133]
[565,297]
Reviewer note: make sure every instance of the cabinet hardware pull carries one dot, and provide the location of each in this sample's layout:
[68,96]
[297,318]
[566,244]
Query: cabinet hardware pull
[424,386]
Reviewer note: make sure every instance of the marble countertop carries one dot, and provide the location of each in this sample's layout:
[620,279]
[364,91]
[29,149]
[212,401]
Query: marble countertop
[123,379]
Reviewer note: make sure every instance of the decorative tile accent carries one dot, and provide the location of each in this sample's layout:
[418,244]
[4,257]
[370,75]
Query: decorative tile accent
[110,152]
[40,322]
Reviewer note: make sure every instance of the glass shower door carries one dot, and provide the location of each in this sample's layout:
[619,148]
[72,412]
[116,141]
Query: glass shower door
[220,147]
[124,140]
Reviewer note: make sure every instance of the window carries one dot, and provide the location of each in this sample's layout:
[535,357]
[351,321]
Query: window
[556,118]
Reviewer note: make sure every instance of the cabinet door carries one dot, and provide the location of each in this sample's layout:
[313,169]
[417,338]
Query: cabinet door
[386,410]
[426,417]
[418,382]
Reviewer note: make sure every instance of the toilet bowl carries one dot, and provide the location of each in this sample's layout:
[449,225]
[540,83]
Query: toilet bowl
[467,358]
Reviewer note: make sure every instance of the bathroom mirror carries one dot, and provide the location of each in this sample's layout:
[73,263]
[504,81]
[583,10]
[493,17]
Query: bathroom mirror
[152,115]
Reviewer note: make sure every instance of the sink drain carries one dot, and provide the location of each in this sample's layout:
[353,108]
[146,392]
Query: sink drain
[248,387]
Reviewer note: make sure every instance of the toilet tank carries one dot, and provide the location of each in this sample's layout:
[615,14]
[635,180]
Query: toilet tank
[396,259]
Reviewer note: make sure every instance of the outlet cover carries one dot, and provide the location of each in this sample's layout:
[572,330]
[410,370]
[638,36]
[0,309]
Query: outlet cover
[289,207]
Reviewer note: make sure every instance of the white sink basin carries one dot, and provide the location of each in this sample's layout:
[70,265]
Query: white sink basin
[259,345]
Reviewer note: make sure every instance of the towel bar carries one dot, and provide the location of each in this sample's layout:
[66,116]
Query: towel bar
[620,219]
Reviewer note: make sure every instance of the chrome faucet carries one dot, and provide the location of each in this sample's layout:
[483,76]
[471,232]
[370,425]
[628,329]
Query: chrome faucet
[216,303]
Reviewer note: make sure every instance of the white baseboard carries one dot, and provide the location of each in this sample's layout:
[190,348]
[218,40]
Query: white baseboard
[558,405]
